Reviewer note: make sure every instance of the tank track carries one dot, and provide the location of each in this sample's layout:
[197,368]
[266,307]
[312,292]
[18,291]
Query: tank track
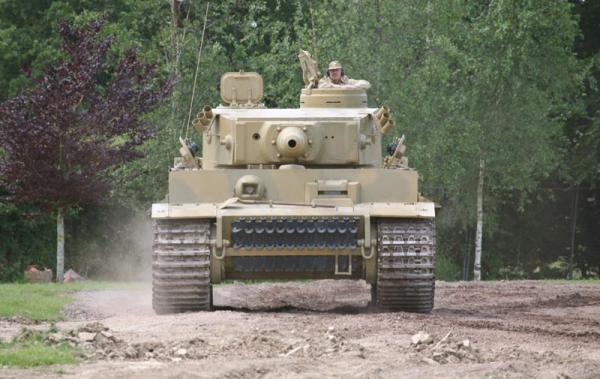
[405,267]
[181,266]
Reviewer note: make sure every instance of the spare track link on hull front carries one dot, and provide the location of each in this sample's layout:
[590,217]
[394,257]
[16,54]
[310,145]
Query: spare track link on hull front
[406,263]
[295,232]
[181,266]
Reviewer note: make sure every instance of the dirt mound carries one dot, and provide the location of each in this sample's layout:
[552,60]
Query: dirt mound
[99,343]
[448,349]
[570,300]
[330,342]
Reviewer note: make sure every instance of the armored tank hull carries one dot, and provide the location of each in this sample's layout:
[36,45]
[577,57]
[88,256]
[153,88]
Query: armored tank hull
[292,194]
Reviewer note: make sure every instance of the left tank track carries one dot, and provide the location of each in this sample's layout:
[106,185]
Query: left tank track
[181,266]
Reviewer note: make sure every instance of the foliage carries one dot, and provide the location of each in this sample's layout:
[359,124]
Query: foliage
[582,129]
[27,238]
[30,42]
[83,117]
[446,268]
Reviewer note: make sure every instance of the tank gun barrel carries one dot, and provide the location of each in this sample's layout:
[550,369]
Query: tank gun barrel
[292,142]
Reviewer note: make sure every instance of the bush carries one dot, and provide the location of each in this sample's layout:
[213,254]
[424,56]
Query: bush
[446,268]
[28,237]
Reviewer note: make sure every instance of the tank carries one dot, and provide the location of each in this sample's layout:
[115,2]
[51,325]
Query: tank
[292,194]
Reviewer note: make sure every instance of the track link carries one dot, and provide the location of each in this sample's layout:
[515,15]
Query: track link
[295,232]
[181,266]
[406,263]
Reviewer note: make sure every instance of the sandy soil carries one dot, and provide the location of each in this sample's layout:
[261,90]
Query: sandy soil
[325,329]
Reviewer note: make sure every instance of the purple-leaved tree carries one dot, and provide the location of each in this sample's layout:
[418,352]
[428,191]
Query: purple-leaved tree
[80,119]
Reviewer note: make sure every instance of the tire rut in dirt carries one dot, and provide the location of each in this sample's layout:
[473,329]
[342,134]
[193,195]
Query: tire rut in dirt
[406,262]
[181,266]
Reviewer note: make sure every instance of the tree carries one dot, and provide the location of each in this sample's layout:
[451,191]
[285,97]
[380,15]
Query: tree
[581,168]
[485,92]
[522,74]
[83,116]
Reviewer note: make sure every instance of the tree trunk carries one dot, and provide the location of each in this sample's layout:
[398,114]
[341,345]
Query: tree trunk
[60,245]
[378,44]
[479,232]
[313,33]
[467,256]
[177,40]
[573,231]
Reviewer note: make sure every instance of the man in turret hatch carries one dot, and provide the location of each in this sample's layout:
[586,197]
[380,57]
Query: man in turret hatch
[336,79]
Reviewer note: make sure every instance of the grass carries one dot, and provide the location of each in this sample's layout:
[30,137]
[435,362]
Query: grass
[31,351]
[44,302]
[35,355]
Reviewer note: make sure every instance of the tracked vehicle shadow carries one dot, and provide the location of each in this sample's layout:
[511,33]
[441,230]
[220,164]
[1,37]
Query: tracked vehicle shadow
[352,310]
[323,296]
[344,309]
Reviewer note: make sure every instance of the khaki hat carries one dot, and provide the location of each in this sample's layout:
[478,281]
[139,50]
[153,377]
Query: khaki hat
[333,65]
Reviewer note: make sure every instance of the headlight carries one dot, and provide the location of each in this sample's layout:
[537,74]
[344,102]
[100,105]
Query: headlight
[250,187]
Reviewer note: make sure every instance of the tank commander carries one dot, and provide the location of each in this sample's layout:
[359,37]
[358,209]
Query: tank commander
[336,79]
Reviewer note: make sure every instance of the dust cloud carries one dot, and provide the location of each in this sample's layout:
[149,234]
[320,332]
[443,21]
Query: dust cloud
[123,253]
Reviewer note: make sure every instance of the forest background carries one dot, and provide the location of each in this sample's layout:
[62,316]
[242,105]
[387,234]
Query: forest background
[498,99]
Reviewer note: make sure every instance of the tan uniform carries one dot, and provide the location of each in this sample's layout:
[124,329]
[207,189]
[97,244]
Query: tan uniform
[345,81]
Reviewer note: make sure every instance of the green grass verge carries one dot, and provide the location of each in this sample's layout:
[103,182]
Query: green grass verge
[46,301]
[35,355]
[31,351]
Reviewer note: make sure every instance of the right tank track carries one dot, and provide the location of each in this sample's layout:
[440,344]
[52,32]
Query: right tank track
[181,266]
[406,263]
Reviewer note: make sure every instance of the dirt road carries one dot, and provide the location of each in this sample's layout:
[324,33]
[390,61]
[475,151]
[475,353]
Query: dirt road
[324,329]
